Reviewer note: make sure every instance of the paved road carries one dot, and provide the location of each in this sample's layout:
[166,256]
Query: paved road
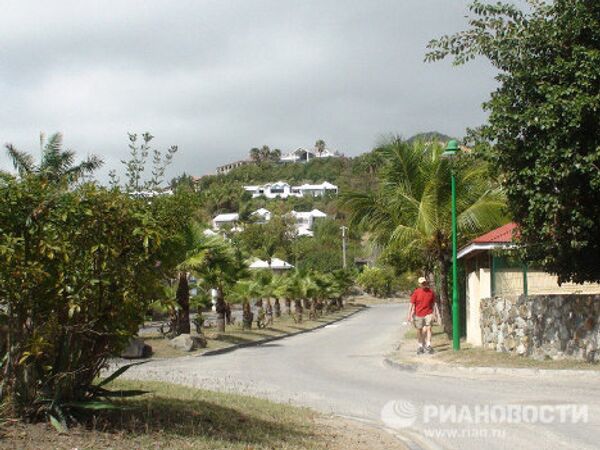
[339,369]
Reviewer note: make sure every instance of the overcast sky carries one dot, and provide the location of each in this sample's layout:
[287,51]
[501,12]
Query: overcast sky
[221,76]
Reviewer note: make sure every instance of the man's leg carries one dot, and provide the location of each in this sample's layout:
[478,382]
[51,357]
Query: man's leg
[420,340]
[427,337]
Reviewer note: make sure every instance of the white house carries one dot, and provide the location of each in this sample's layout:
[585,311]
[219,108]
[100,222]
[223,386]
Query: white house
[298,155]
[281,189]
[317,190]
[303,155]
[228,219]
[261,215]
[306,220]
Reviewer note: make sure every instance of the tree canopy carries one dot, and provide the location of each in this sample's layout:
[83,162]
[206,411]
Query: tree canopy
[543,131]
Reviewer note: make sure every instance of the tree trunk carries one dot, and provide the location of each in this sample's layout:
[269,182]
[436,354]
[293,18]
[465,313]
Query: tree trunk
[277,308]
[247,316]
[269,309]
[312,312]
[443,298]
[288,306]
[298,311]
[220,308]
[182,325]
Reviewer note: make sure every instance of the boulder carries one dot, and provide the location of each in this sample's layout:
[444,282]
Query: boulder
[136,348]
[187,343]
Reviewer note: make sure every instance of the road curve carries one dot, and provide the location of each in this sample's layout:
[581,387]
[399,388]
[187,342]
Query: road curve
[339,369]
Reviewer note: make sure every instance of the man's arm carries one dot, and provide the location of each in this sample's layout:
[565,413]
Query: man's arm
[411,311]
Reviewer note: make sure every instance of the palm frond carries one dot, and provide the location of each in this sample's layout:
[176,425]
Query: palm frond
[22,161]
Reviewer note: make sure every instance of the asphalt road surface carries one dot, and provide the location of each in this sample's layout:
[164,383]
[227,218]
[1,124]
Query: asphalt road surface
[339,369]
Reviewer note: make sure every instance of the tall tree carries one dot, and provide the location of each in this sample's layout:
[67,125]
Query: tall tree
[320,146]
[410,214]
[543,130]
[56,165]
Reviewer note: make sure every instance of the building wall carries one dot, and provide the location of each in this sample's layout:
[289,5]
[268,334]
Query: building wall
[509,282]
[478,287]
[543,326]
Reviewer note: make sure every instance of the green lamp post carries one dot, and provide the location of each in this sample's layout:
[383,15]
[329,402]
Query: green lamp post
[450,152]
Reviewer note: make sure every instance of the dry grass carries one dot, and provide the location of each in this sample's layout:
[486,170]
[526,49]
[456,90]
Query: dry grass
[176,417]
[476,356]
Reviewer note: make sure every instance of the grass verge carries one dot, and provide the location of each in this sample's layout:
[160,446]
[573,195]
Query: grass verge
[177,417]
[470,356]
[234,334]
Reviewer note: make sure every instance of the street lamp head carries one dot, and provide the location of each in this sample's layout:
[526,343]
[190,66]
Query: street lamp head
[451,149]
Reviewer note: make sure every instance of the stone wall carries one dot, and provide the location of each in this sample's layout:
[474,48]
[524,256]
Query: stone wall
[543,326]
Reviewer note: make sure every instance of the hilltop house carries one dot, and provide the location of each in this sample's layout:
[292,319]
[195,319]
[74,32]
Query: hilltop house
[279,189]
[283,190]
[303,155]
[226,168]
[514,307]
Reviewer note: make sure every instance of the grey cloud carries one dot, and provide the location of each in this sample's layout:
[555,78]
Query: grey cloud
[218,77]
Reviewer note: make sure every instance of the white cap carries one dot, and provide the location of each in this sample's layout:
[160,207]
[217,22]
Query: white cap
[422,280]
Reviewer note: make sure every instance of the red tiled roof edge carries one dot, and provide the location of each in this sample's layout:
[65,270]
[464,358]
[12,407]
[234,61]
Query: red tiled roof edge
[503,234]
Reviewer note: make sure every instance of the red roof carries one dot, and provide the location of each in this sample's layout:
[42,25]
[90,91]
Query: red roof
[504,234]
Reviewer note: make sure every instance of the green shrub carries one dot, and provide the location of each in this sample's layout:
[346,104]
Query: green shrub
[78,270]
[380,282]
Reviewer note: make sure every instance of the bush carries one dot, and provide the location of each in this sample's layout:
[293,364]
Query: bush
[380,282]
[78,270]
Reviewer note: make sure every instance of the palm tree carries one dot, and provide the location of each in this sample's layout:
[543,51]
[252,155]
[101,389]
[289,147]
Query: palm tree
[264,152]
[343,280]
[243,291]
[255,154]
[264,279]
[216,264]
[278,290]
[410,215]
[56,165]
[320,146]
[282,289]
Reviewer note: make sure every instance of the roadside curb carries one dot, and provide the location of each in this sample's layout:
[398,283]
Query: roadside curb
[234,347]
[454,370]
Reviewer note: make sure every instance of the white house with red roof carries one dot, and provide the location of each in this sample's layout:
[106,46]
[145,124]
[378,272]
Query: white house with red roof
[492,270]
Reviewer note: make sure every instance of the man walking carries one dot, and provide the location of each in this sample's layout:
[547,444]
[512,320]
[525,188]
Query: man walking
[423,312]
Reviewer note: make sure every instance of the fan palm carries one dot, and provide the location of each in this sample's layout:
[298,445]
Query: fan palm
[216,264]
[410,214]
[56,165]
[243,291]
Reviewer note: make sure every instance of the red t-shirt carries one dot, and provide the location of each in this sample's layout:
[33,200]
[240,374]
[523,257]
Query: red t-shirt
[423,299]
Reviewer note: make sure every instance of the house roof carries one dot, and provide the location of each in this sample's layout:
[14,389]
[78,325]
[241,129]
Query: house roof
[323,185]
[259,264]
[501,237]
[229,217]
[262,212]
[317,213]
[503,234]
[277,263]
[308,214]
